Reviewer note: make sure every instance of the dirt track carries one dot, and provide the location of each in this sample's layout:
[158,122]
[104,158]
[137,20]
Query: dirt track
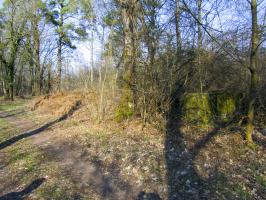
[76,165]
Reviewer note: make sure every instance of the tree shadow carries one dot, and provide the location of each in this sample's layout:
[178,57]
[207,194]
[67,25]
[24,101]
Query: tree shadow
[23,193]
[184,182]
[148,196]
[88,172]
[111,185]
[27,134]
[259,139]
[40,129]
[11,114]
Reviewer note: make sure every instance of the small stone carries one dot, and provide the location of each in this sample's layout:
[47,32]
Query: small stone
[254,191]
[207,166]
[263,131]
[183,173]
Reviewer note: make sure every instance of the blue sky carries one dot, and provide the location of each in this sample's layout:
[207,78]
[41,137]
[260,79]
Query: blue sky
[1,2]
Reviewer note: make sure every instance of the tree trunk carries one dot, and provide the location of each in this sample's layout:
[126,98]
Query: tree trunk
[19,81]
[92,61]
[6,90]
[102,55]
[199,5]
[59,51]
[49,84]
[37,59]
[11,69]
[200,41]
[32,79]
[11,82]
[36,49]
[177,27]
[42,79]
[59,64]
[129,57]
[5,80]
[253,73]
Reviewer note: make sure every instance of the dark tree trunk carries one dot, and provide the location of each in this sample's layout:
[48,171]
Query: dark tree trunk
[59,52]
[177,27]
[59,64]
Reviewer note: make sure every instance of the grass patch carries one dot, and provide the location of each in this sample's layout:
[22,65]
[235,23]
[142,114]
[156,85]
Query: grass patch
[242,192]
[2,123]
[6,130]
[262,181]
[9,106]
[25,157]
[100,136]
[70,123]
[53,191]
[28,163]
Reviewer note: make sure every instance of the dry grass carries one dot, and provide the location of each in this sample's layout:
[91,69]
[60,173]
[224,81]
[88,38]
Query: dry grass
[56,104]
[135,148]
[225,166]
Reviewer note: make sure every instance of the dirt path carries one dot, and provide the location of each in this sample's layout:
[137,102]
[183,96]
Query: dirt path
[19,123]
[85,172]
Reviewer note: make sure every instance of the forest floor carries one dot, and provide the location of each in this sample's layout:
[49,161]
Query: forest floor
[54,149]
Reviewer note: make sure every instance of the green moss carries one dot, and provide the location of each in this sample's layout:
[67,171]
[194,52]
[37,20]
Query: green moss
[205,108]
[196,108]
[123,112]
[226,106]
[124,109]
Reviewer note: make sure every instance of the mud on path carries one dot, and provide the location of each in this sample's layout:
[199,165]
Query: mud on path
[84,172]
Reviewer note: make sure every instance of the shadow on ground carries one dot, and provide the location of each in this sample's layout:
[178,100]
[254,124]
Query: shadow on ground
[148,196]
[184,182]
[40,129]
[25,192]
[89,173]
[11,114]
[259,139]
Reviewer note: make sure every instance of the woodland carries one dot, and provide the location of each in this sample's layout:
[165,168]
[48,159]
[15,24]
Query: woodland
[133,99]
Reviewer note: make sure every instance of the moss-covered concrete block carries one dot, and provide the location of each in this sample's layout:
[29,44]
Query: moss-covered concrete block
[226,106]
[196,108]
[205,108]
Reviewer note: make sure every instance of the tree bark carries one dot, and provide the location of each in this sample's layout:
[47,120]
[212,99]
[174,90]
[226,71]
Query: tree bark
[59,51]
[49,74]
[199,5]
[129,57]
[11,67]
[199,46]
[252,93]
[59,64]
[177,26]
[36,52]
[92,59]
